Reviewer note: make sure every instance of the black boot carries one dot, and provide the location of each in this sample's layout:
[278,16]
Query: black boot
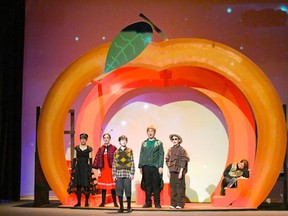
[121,204]
[103,198]
[113,192]
[87,194]
[78,193]
[129,209]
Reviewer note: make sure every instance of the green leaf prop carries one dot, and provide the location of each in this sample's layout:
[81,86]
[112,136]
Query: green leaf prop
[128,44]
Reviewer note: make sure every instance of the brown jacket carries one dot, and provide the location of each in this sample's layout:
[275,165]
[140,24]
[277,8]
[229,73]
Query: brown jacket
[177,158]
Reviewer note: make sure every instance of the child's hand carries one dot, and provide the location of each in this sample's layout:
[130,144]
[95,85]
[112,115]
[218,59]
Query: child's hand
[160,170]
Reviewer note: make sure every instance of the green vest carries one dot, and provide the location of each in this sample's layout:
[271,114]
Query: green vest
[151,155]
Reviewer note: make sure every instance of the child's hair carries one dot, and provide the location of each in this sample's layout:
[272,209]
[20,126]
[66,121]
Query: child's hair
[84,136]
[152,128]
[107,135]
[246,164]
[123,137]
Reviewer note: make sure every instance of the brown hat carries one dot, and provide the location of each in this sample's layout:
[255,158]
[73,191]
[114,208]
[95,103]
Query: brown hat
[175,135]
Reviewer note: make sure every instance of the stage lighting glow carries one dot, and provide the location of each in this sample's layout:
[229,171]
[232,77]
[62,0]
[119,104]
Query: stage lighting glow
[76,38]
[103,38]
[146,106]
[123,123]
[284,8]
[229,10]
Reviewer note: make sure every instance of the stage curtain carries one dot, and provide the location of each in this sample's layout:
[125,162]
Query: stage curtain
[12,19]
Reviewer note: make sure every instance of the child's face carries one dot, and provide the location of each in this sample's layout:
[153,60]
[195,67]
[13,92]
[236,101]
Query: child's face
[123,142]
[83,141]
[241,165]
[151,133]
[106,139]
[175,140]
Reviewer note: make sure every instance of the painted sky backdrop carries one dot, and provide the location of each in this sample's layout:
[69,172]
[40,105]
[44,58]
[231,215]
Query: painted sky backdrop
[57,32]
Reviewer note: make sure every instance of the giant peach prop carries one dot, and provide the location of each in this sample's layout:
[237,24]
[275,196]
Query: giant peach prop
[251,81]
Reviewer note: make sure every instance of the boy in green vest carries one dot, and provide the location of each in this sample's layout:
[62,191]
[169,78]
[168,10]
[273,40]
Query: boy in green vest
[151,162]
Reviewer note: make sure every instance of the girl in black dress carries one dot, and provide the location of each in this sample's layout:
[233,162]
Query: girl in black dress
[82,169]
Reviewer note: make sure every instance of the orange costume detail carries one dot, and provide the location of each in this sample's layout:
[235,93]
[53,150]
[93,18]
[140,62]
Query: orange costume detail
[106,180]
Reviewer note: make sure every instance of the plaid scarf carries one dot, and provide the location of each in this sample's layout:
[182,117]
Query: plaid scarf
[99,158]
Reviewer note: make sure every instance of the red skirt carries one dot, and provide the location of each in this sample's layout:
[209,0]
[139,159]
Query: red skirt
[106,180]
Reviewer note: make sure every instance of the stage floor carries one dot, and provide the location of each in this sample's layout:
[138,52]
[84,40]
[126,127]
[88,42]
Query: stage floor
[188,207]
[55,209]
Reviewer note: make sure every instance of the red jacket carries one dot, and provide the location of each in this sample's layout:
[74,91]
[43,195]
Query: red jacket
[99,158]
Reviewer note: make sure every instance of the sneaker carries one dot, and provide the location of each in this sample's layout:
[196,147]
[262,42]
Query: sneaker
[172,207]
[178,207]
